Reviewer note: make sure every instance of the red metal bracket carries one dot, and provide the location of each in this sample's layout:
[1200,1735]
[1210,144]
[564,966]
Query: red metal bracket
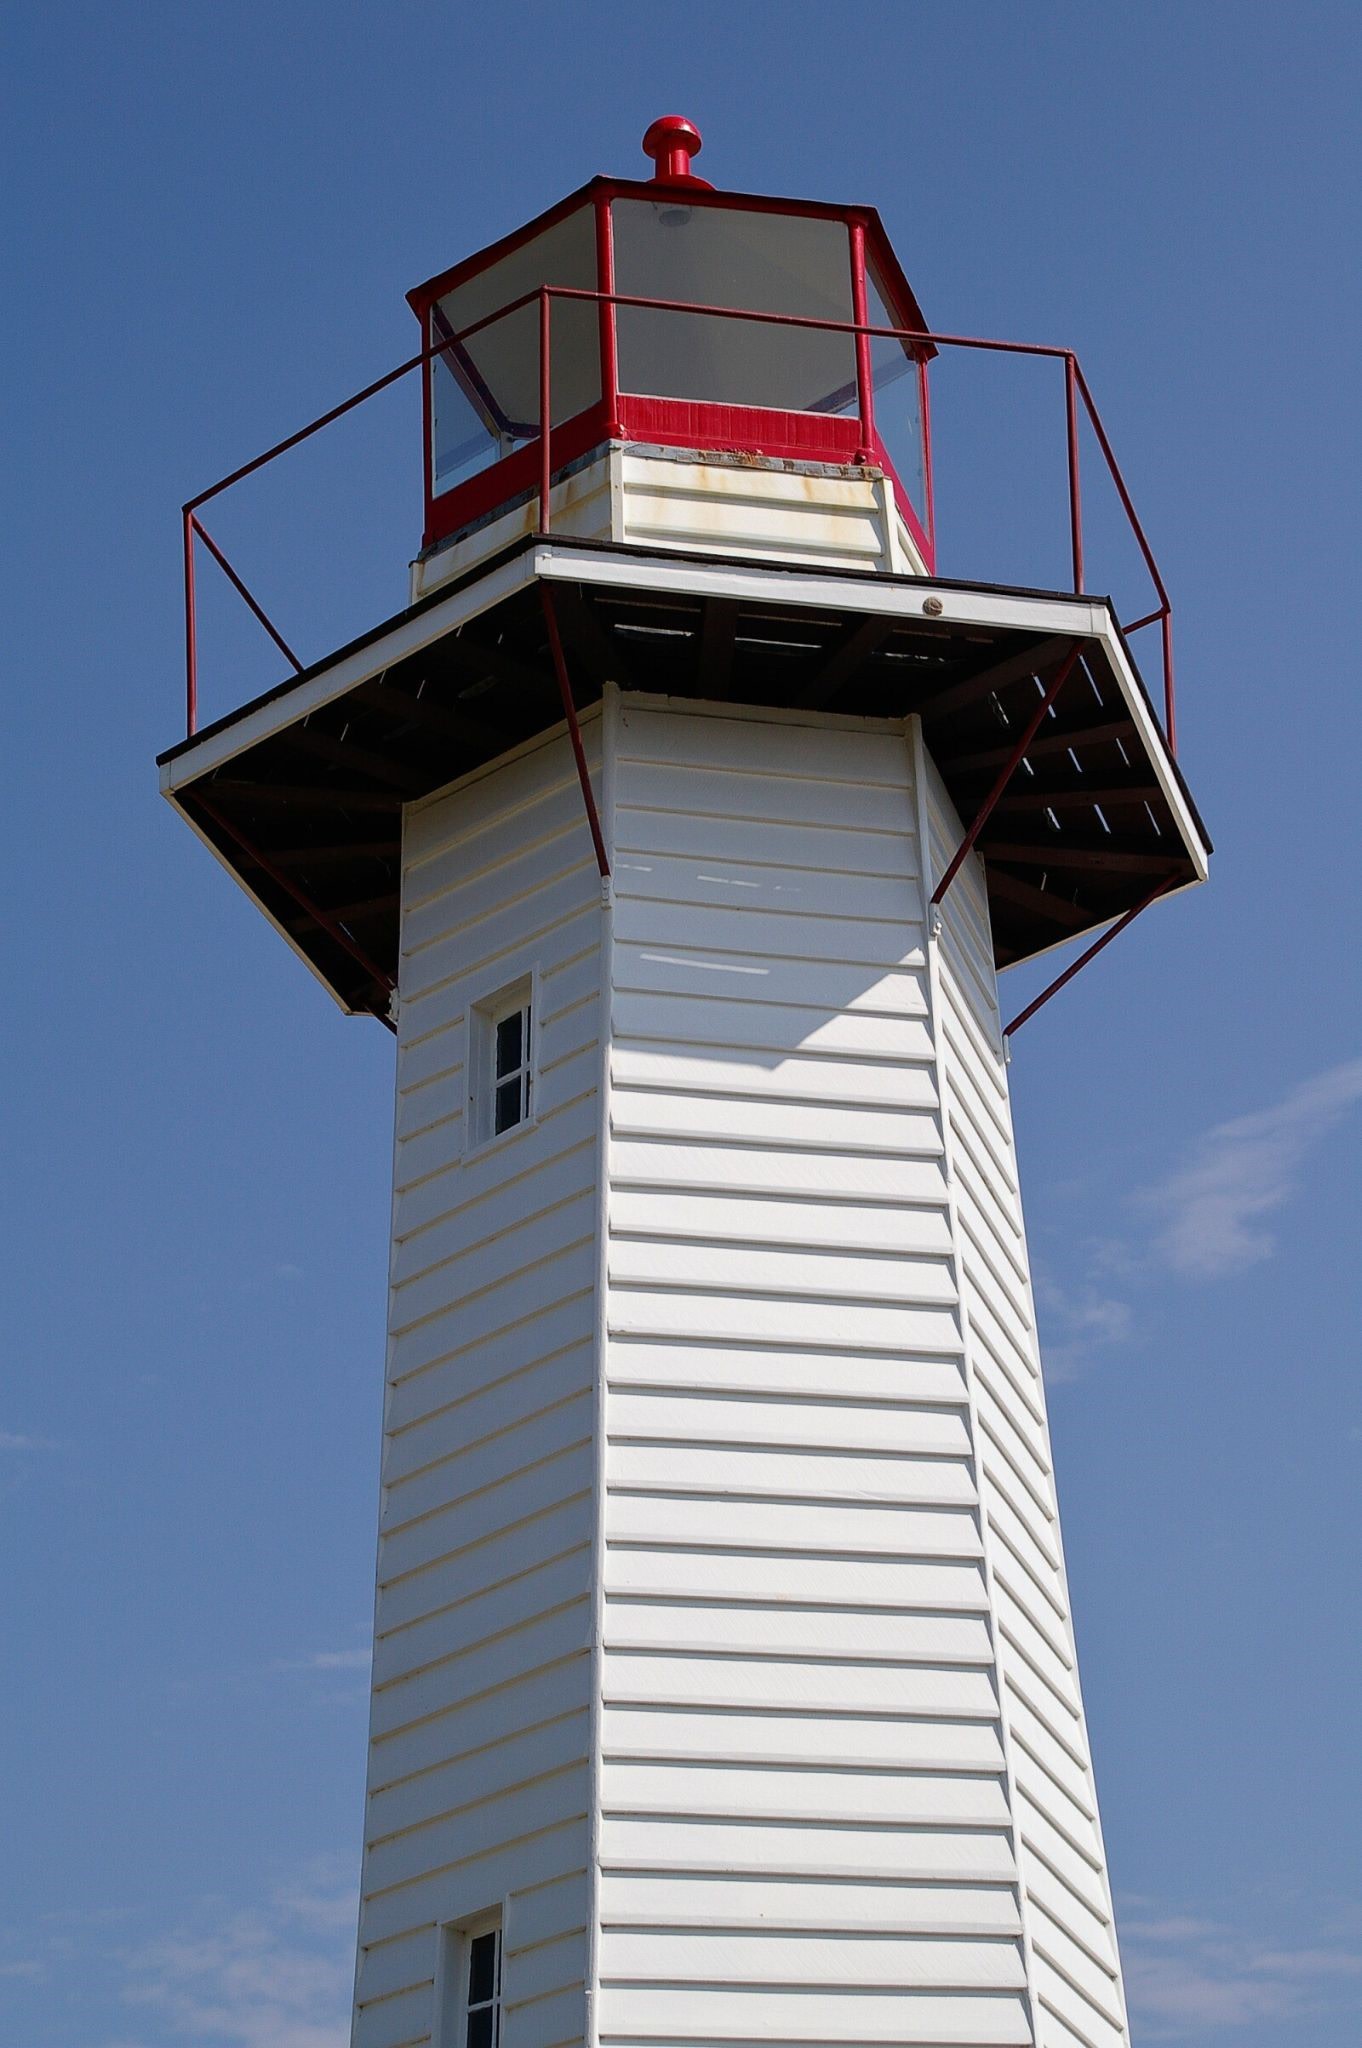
[1014,759]
[1160,889]
[574,731]
[304,902]
[192,526]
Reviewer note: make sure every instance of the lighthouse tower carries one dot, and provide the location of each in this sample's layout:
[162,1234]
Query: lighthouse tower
[724,1685]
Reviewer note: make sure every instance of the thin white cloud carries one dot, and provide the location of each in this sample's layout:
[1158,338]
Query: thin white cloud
[1210,1217]
[16,1440]
[1187,1977]
[278,1978]
[1076,1324]
[327,1660]
[1240,1173]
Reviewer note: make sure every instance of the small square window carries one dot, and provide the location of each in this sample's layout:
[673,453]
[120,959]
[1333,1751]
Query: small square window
[501,1062]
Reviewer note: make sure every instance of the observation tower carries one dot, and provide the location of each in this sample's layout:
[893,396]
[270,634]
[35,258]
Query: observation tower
[724,1684]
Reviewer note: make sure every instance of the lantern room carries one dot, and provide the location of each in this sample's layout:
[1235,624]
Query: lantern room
[671,316]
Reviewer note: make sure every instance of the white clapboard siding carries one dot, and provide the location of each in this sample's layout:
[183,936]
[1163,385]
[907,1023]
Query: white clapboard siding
[821,1374]
[731,1661]
[854,1528]
[663,1899]
[799,1666]
[919,2019]
[649,1843]
[1065,1892]
[768,1684]
[479,1782]
[865,1961]
[803,1740]
[761,1370]
[763,511]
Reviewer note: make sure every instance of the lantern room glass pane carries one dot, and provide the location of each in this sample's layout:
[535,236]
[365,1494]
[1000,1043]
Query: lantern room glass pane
[729,256]
[485,386]
[898,394]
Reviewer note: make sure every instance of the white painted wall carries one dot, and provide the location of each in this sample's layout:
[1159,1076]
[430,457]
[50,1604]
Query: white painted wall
[805,1759]
[767,509]
[1065,1892]
[479,1778]
[807,1830]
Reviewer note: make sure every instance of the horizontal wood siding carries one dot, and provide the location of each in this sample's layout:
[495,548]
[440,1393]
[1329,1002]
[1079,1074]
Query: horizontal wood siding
[805,1831]
[1066,1900]
[797,1752]
[479,1782]
[770,512]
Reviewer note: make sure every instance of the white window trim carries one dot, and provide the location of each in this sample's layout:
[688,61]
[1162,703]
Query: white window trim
[451,1976]
[496,1001]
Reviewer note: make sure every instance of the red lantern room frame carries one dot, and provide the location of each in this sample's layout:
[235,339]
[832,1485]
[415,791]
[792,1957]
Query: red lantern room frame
[838,439]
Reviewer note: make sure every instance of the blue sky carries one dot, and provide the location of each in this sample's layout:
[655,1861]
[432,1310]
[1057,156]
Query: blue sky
[215,214]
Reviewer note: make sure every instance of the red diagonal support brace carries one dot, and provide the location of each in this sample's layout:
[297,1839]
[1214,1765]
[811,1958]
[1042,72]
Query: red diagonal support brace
[1160,888]
[574,730]
[304,902]
[1009,769]
[240,588]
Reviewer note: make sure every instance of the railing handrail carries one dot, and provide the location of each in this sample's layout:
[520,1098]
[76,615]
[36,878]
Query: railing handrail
[1076,388]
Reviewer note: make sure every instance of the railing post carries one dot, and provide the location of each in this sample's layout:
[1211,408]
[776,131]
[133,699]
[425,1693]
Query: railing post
[605,284]
[924,415]
[1170,724]
[865,380]
[191,635]
[1075,503]
[545,410]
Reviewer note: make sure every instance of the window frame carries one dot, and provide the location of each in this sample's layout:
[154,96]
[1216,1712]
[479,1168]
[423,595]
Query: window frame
[485,1013]
[454,2008]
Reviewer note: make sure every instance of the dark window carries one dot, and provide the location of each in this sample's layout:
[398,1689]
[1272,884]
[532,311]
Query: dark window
[482,2003]
[501,1054]
[511,1070]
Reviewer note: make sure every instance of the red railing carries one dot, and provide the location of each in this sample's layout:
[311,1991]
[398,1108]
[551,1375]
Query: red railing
[1078,402]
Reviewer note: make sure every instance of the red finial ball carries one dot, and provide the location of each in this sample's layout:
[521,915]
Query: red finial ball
[671,143]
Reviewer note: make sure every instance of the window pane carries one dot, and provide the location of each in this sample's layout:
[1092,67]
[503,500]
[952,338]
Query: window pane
[898,412]
[482,1968]
[488,395]
[463,438]
[725,256]
[508,1104]
[509,1042]
[480,2027]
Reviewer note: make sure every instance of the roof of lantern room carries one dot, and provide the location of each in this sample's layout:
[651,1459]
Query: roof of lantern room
[422,296]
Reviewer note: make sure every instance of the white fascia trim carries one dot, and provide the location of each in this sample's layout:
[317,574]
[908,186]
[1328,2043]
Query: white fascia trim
[1157,749]
[347,674]
[1075,615]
